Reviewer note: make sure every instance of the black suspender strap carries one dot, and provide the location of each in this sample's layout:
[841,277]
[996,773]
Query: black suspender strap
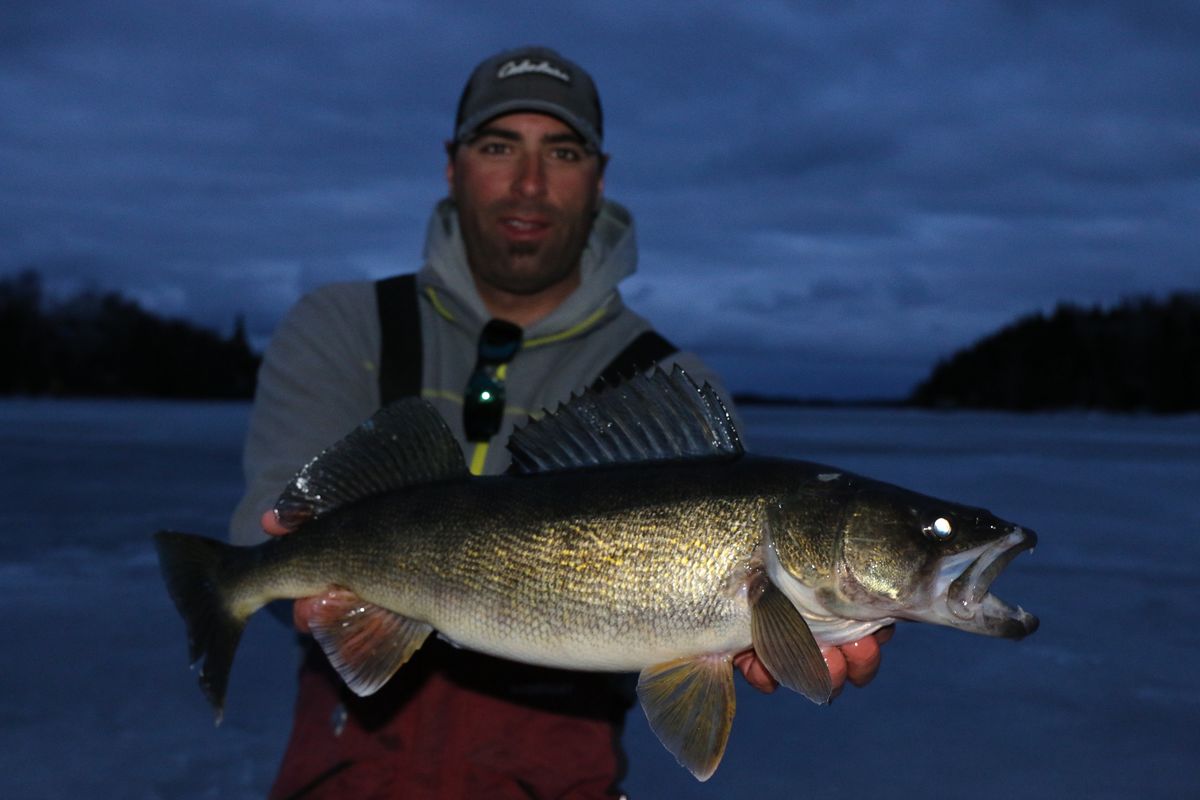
[639,355]
[400,328]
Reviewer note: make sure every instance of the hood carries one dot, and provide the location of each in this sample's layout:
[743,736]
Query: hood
[609,257]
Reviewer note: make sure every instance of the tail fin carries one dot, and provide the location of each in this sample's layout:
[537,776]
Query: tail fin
[196,570]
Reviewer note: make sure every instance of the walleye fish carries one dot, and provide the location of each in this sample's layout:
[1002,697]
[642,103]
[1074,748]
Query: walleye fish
[632,534]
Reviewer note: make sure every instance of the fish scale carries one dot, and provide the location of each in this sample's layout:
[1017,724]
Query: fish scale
[485,573]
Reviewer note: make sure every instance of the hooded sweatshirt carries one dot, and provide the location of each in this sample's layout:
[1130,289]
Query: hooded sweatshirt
[319,378]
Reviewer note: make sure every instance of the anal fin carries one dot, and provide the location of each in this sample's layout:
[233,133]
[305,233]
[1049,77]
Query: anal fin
[784,643]
[689,703]
[364,642]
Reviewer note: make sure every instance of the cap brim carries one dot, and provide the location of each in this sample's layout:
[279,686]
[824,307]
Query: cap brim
[477,120]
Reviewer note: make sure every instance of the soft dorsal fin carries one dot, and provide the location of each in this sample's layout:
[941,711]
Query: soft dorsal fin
[403,444]
[651,417]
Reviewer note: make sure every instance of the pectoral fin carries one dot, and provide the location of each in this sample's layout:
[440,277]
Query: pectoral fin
[689,703]
[786,646]
[364,642]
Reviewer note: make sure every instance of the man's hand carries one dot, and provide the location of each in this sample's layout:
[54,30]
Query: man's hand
[303,608]
[856,662]
[272,525]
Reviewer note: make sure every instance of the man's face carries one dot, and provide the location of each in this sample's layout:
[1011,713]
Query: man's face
[526,189]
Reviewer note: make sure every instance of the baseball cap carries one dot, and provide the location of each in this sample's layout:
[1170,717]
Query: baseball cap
[531,79]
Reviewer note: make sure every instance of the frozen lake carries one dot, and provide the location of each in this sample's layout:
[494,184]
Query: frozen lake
[1102,702]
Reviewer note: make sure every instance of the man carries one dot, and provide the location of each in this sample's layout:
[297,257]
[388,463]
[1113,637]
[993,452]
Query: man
[527,238]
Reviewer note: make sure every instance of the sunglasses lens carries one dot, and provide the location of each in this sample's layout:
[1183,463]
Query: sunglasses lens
[483,406]
[499,342]
[483,400]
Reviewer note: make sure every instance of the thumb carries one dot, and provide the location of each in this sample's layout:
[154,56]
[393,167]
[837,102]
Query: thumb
[271,524]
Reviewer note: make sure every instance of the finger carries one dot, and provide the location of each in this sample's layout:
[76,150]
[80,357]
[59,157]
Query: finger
[837,668]
[271,524]
[302,611]
[884,634]
[862,660]
[755,671]
[305,607]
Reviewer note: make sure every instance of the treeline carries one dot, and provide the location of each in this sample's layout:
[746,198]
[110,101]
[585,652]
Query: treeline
[1143,355]
[101,344]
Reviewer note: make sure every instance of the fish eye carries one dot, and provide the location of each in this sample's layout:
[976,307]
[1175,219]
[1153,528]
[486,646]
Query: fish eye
[939,529]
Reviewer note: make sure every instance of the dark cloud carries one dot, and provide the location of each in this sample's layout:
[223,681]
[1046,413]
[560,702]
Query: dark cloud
[839,194]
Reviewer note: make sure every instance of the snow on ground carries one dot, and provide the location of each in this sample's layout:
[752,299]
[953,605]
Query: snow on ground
[96,699]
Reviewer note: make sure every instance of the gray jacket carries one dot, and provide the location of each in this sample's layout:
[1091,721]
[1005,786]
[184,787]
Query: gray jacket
[319,377]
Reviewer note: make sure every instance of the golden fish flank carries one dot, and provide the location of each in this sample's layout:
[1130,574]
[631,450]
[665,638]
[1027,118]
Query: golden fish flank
[633,534]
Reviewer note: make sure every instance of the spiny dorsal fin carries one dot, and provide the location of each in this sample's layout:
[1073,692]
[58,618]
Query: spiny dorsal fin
[403,444]
[651,417]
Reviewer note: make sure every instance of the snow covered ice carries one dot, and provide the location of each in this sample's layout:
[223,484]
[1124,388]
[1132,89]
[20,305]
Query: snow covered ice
[1101,702]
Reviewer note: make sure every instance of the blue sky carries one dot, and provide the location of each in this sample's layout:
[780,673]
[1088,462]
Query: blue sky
[830,196]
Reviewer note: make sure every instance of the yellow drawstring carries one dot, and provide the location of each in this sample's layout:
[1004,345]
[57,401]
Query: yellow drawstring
[574,330]
[437,303]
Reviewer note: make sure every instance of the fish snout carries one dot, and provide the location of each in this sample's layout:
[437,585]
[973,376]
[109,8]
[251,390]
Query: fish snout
[970,600]
[1030,540]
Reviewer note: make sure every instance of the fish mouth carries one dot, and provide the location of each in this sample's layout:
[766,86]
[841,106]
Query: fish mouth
[971,604]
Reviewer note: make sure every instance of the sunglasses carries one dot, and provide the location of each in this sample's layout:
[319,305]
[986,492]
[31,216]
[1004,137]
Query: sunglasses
[483,400]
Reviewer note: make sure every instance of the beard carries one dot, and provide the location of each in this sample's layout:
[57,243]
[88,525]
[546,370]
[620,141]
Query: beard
[523,268]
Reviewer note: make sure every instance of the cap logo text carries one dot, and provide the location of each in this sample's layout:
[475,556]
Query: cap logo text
[511,69]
